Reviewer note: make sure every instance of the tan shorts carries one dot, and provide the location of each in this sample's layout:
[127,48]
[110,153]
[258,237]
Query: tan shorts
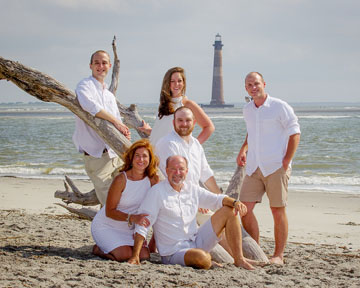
[101,172]
[275,185]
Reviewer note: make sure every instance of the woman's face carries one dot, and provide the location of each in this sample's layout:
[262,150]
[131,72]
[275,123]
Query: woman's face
[176,84]
[141,158]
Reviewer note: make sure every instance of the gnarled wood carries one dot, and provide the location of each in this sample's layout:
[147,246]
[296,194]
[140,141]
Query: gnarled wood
[83,213]
[47,89]
[251,248]
[233,190]
[77,197]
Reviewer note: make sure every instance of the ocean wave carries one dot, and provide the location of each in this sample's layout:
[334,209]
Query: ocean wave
[318,183]
[325,116]
[40,172]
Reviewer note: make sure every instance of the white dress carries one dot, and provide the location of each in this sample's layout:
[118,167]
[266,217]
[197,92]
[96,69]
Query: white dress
[109,233]
[164,125]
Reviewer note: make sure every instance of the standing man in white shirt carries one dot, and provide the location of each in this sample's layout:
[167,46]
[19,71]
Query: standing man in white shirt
[181,142]
[94,97]
[172,205]
[273,135]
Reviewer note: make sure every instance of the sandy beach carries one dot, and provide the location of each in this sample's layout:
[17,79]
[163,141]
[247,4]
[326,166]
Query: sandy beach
[42,245]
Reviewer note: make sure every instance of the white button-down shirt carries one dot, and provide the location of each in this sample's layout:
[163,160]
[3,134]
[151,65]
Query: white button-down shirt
[172,214]
[173,144]
[269,127]
[93,97]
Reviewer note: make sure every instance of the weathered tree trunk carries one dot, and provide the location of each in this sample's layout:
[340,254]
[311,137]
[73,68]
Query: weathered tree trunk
[47,89]
[251,248]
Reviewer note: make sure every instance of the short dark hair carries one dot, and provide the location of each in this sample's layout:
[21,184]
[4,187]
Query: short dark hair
[96,52]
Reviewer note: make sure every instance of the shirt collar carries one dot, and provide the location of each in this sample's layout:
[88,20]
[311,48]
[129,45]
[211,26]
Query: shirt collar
[265,104]
[169,188]
[98,84]
[182,140]
[267,101]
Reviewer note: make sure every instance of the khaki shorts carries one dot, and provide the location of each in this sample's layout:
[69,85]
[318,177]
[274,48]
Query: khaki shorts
[275,185]
[101,172]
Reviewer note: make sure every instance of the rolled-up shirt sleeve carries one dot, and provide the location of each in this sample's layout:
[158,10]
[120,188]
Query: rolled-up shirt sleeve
[210,200]
[289,120]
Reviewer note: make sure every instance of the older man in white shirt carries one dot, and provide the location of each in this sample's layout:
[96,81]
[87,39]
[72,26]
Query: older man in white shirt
[273,135]
[171,206]
[94,97]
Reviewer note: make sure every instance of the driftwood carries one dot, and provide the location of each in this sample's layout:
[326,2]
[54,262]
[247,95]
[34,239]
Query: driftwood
[251,248]
[84,199]
[47,89]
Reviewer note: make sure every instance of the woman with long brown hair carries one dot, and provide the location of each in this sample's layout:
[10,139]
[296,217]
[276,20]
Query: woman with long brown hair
[172,96]
[113,226]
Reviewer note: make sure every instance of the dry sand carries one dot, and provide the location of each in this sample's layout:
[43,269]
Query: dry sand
[41,245]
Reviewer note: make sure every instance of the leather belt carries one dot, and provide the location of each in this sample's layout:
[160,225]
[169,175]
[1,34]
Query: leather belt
[104,151]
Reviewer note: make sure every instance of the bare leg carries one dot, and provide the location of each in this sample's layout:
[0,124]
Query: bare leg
[225,218]
[98,252]
[223,242]
[152,244]
[280,233]
[250,223]
[122,253]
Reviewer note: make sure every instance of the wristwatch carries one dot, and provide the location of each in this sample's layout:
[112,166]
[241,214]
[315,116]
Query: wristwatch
[234,203]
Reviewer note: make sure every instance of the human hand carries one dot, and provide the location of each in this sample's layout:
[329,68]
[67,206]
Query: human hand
[123,129]
[241,159]
[203,210]
[240,208]
[140,219]
[286,163]
[146,128]
[134,260]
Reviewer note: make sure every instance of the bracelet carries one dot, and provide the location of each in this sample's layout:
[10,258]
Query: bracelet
[128,220]
[234,203]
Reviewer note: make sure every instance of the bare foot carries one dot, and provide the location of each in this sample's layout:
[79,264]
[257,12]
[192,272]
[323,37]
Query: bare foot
[98,252]
[277,260]
[216,264]
[257,263]
[244,264]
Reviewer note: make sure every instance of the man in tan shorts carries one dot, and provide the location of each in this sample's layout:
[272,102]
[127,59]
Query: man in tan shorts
[273,135]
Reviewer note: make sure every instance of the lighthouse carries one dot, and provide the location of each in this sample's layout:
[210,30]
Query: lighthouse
[217,96]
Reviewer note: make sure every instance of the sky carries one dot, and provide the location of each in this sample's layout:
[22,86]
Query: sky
[307,50]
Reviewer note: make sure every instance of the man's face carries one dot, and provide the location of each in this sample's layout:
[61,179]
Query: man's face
[176,171]
[255,86]
[100,66]
[184,122]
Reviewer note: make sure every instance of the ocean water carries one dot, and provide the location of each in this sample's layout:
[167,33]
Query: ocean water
[35,142]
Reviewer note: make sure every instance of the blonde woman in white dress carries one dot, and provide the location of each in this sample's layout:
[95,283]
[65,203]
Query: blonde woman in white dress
[113,226]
